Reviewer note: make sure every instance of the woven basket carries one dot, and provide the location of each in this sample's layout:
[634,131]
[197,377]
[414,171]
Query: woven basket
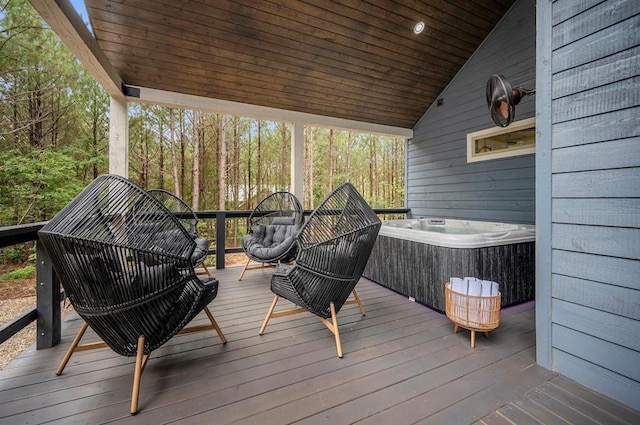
[471,312]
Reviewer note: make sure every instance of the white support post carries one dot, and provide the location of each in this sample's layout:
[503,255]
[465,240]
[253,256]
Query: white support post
[297,159]
[119,137]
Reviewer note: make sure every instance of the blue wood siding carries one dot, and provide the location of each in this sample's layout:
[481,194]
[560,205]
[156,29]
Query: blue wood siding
[593,192]
[439,180]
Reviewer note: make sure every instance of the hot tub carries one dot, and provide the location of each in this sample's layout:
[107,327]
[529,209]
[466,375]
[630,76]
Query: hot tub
[416,257]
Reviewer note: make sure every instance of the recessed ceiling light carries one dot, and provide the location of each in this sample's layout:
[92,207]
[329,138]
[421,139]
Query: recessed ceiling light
[419,27]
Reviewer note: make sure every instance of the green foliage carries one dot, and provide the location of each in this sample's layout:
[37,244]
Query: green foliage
[16,254]
[54,140]
[36,185]
[21,273]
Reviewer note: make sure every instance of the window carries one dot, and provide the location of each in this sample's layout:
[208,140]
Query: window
[497,142]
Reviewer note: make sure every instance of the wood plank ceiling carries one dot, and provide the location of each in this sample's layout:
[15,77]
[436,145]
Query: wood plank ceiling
[351,59]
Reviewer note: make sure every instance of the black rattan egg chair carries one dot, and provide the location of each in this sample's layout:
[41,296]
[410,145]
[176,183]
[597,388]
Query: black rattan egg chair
[189,220]
[334,245]
[101,252]
[271,227]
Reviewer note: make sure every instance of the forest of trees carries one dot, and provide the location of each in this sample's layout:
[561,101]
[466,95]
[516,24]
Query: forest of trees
[54,140]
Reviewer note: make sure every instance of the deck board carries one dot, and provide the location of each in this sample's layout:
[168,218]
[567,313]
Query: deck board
[402,364]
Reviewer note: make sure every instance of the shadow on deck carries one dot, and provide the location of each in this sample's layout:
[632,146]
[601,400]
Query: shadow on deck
[402,365]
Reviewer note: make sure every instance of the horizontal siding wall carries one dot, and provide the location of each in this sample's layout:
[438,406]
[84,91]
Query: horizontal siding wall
[439,180]
[595,195]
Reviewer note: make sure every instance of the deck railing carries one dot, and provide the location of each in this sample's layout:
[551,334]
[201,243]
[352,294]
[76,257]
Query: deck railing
[47,312]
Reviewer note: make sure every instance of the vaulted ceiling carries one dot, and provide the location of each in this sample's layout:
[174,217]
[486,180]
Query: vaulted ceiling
[351,59]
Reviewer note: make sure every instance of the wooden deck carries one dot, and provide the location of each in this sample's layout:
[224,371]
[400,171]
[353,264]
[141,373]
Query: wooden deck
[402,365]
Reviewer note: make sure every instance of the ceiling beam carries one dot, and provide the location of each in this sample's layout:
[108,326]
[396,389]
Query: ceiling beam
[186,101]
[63,19]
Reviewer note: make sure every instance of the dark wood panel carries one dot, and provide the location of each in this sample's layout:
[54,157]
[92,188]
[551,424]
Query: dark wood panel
[257,57]
[360,54]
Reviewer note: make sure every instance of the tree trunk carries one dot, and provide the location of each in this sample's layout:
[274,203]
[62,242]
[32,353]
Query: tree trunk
[161,150]
[308,169]
[372,166]
[144,166]
[348,155]
[94,132]
[222,165]
[35,117]
[285,162]
[249,188]
[331,155]
[174,159]
[183,165]
[259,180]
[195,176]
[236,164]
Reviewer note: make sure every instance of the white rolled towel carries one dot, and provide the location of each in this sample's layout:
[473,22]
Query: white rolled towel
[458,285]
[489,289]
[474,286]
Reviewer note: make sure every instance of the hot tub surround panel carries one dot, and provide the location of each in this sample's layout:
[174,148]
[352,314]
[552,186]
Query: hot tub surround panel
[420,270]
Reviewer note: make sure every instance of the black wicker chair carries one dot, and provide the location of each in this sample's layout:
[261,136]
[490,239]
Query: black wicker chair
[271,227]
[100,251]
[334,245]
[189,220]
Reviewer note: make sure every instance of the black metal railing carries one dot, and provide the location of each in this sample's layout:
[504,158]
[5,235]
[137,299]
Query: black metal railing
[47,312]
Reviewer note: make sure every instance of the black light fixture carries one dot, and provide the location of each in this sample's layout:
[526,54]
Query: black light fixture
[502,99]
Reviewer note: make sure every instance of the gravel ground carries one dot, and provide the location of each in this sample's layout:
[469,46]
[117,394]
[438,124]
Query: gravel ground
[10,309]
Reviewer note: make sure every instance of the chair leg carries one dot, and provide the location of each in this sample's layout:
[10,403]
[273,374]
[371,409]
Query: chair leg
[76,346]
[333,327]
[215,325]
[269,314]
[336,331]
[244,269]
[72,348]
[356,300]
[141,361]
